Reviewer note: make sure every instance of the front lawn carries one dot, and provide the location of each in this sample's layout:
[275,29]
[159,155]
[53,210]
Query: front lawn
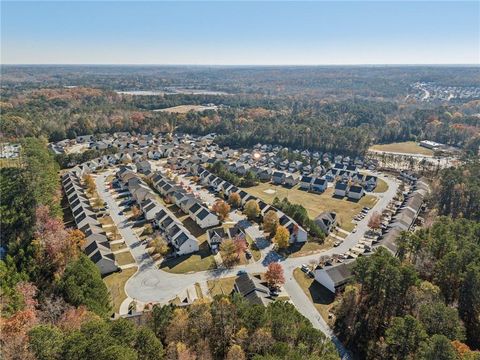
[124,258]
[382,186]
[308,248]
[315,203]
[223,286]
[320,296]
[200,261]
[116,286]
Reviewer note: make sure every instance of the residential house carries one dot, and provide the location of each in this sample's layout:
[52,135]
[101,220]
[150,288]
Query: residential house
[251,289]
[319,185]
[341,189]
[326,221]
[355,192]
[335,276]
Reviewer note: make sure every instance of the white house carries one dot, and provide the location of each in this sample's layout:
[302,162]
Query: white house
[340,189]
[355,192]
[335,276]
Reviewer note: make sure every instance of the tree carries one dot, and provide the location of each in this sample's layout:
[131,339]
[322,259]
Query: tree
[136,212]
[159,321]
[439,348]
[160,245]
[90,184]
[282,237]
[235,353]
[240,245]
[469,305]
[375,221]
[147,345]
[46,342]
[235,200]
[405,337]
[441,319]
[117,352]
[229,252]
[251,209]
[270,222]
[274,275]
[81,284]
[222,209]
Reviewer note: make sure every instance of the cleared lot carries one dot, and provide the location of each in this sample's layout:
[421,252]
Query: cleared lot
[407,147]
[315,203]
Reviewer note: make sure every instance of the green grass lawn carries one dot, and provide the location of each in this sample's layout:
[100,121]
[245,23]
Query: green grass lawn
[407,147]
[308,248]
[116,286]
[382,186]
[320,296]
[124,258]
[200,261]
[315,203]
[222,286]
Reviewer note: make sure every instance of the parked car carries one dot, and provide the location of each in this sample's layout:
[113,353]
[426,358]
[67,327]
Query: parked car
[248,254]
[305,268]
[337,243]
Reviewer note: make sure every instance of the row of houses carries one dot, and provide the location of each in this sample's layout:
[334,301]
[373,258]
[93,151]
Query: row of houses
[186,201]
[353,192]
[97,246]
[297,233]
[178,237]
[336,272]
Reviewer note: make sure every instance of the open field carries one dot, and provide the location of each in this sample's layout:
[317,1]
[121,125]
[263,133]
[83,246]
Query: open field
[407,147]
[116,286]
[315,203]
[221,286]
[183,109]
[320,296]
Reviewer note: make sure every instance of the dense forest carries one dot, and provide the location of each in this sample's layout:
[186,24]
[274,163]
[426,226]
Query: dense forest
[345,126]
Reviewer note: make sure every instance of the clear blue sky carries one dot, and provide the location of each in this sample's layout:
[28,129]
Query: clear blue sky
[382,32]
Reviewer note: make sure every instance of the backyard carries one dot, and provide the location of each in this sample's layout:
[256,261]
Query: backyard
[315,203]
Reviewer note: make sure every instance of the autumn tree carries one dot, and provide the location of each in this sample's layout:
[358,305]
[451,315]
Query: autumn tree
[89,183]
[270,222]
[222,209]
[160,245]
[251,209]
[234,200]
[229,252]
[282,237]
[136,212]
[240,245]
[274,275]
[235,353]
[375,221]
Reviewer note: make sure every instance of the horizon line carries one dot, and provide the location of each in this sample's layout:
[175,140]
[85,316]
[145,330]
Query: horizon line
[240,65]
